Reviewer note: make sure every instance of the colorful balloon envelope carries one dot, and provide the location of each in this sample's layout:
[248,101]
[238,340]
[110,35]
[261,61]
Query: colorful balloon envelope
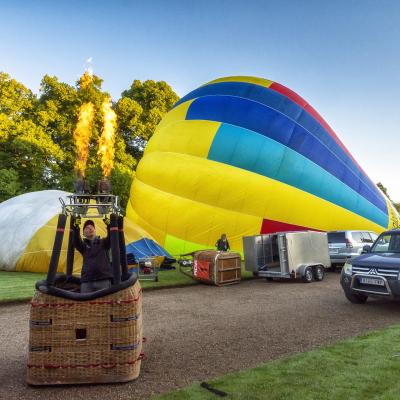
[28,225]
[244,156]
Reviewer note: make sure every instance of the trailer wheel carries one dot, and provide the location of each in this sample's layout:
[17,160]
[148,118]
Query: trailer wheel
[269,278]
[319,273]
[308,275]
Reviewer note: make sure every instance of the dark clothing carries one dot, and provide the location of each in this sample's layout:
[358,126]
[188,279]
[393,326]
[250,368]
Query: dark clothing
[222,245]
[87,287]
[96,265]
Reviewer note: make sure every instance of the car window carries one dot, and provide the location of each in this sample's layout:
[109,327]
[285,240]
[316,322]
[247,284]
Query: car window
[336,237]
[389,242]
[394,244]
[356,236]
[366,238]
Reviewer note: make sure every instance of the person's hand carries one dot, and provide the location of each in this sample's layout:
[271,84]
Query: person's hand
[106,221]
[77,221]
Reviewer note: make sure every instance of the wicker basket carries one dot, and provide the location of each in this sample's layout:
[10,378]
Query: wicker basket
[217,267]
[92,341]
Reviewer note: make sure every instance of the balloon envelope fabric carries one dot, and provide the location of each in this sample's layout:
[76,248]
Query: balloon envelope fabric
[27,229]
[243,156]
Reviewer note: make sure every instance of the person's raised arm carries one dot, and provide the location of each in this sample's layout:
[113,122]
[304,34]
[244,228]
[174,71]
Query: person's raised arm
[106,241]
[78,242]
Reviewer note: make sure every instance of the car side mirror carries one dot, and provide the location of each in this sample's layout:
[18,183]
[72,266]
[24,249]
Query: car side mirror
[366,249]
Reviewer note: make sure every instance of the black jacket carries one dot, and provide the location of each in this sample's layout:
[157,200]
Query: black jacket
[96,265]
[222,245]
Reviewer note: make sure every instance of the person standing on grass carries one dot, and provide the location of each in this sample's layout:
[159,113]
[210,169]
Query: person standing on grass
[222,243]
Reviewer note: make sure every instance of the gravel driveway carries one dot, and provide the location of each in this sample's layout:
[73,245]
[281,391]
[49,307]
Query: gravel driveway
[199,332]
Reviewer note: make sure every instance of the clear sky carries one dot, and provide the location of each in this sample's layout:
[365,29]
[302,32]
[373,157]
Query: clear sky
[342,56]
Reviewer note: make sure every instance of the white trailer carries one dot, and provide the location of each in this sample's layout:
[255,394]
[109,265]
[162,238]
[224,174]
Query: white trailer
[300,254]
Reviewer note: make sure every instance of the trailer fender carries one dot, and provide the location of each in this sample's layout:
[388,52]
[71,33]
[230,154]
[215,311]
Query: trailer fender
[301,269]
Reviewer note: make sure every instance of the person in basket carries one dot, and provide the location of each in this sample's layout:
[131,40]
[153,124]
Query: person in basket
[96,268]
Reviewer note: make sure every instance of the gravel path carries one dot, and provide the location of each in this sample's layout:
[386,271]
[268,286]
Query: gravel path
[200,332]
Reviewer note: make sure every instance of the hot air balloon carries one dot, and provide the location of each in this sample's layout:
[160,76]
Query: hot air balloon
[27,229]
[244,156]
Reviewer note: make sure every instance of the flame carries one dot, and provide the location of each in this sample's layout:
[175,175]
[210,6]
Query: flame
[86,79]
[106,142]
[82,134]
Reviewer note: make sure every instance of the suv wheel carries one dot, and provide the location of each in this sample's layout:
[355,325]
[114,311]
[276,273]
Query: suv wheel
[308,275]
[319,273]
[356,298]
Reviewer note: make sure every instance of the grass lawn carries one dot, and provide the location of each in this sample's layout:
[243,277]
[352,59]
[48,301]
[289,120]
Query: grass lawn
[365,367]
[16,286]
[19,286]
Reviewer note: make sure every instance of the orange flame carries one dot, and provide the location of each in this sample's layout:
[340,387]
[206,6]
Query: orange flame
[106,142]
[82,134]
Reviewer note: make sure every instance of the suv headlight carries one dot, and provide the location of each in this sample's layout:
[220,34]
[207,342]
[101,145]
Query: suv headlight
[347,269]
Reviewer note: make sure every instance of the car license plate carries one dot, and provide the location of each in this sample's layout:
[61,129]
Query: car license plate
[333,251]
[372,281]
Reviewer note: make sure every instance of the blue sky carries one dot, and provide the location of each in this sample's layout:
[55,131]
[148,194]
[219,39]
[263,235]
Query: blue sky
[341,56]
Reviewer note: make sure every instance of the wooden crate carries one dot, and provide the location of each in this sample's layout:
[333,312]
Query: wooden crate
[217,267]
[93,341]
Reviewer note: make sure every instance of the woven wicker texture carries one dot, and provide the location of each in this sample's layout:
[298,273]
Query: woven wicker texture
[85,341]
[217,267]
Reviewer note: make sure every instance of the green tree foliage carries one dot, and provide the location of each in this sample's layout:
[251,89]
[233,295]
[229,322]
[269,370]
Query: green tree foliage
[36,132]
[384,190]
[28,156]
[140,109]
[9,183]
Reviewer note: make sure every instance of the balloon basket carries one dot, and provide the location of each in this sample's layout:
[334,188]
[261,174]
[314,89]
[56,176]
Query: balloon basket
[219,268]
[91,341]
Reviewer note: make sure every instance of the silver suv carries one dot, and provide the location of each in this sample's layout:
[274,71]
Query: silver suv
[347,244]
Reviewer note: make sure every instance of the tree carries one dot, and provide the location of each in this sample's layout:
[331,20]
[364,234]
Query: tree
[26,149]
[16,101]
[384,190]
[128,112]
[37,149]
[140,110]
[28,157]
[9,184]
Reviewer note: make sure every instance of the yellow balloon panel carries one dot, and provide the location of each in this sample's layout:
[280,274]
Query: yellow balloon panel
[186,217]
[195,138]
[176,114]
[225,187]
[157,234]
[248,79]
[36,257]
[394,222]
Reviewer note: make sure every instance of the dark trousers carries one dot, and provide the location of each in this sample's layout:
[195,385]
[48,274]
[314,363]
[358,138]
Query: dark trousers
[92,286]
